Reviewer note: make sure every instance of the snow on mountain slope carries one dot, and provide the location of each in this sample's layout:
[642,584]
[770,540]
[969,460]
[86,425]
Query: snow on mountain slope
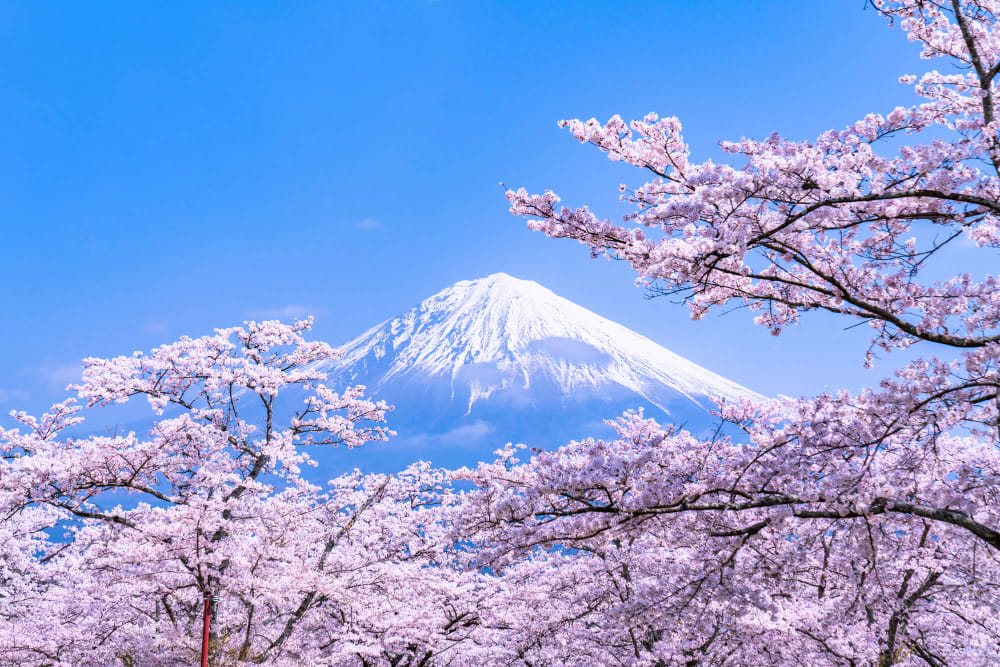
[504,342]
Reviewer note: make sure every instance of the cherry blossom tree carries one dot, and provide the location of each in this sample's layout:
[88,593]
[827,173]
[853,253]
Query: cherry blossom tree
[840,529]
[111,541]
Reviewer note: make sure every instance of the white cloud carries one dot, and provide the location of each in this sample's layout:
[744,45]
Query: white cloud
[464,435]
[965,241]
[467,433]
[369,223]
[289,312]
[13,395]
[158,328]
[57,376]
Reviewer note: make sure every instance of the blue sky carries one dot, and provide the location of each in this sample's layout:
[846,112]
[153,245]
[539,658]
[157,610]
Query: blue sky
[170,168]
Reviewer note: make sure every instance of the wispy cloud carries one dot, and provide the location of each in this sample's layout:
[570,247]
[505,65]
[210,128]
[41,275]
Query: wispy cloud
[465,435]
[369,223]
[13,395]
[289,312]
[964,241]
[57,376]
[158,328]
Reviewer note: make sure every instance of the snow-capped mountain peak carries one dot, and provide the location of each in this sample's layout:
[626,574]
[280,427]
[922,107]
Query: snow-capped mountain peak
[501,339]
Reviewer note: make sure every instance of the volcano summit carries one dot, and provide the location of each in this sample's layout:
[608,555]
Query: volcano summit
[487,361]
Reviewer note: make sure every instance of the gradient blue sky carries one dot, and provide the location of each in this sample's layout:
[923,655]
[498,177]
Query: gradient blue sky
[167,168]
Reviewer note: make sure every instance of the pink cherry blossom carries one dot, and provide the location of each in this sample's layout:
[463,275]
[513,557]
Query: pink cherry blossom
[840,529]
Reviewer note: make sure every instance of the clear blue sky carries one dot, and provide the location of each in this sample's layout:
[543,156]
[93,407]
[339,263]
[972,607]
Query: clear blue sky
[166,168]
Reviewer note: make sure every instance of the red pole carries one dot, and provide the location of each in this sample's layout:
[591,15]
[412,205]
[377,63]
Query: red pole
[204,633]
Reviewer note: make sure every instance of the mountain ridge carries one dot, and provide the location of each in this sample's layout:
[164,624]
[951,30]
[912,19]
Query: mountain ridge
[500,338]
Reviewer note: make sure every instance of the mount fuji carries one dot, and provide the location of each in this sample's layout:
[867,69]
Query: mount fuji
[494,360]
